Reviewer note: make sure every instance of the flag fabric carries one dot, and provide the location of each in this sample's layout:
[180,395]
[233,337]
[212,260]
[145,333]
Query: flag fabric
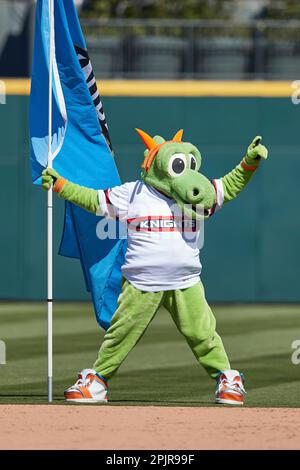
[81,146]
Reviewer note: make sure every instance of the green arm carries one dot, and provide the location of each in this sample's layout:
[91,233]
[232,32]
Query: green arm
[79,195]
[235,181]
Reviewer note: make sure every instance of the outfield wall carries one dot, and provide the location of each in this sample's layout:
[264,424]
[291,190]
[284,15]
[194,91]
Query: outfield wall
[251,246]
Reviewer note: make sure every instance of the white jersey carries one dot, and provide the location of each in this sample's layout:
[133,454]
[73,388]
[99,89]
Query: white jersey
[163,247]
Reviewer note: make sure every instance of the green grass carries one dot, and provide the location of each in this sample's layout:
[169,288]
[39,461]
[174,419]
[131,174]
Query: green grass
[161,370]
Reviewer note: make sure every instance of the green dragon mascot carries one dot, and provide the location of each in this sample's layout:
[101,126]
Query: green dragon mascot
[164,212]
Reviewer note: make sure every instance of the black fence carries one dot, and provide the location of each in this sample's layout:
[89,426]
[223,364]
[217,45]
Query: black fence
[16,37]
[171,49]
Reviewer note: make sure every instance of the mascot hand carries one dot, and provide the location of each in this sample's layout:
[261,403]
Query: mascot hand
[256,150]
[49,178]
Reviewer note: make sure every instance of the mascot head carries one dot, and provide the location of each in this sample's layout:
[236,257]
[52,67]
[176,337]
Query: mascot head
[173,167]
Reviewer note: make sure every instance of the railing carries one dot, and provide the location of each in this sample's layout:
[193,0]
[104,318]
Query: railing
[175,49]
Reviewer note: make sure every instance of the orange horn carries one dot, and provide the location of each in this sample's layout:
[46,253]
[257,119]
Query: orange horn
[148,141]
[178,136]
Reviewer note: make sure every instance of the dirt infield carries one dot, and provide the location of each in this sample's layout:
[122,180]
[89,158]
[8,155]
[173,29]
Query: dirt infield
[136,427]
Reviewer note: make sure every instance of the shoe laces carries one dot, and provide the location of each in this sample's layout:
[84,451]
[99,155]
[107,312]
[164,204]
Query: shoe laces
[225,384]
[83,381]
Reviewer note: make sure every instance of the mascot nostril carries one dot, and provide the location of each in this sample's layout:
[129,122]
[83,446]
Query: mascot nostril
[162,265]
[194,195]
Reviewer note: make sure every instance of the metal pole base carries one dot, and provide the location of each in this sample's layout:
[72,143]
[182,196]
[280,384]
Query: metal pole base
[50,398]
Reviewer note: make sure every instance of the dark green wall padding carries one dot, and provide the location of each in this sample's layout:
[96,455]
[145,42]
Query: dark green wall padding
[251,250]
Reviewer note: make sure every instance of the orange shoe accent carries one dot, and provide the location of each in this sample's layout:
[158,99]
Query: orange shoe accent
[73,395]
[230,389]
[89,388]
[85,392]
[230,396]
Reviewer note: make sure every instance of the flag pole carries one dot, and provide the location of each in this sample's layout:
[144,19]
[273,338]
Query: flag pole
[50,212]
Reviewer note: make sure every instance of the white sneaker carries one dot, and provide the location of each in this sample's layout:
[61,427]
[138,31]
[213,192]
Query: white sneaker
[89,388]
[230,388]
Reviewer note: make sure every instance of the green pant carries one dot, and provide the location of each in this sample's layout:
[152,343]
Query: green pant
[190,312]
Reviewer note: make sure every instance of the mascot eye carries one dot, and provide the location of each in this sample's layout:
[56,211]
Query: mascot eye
[193,162]
[177,164]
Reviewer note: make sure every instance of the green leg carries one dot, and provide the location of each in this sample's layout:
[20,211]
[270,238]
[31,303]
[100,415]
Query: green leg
[195,320]
[134,313]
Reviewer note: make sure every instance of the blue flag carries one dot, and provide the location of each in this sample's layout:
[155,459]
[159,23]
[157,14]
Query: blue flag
[81,146]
